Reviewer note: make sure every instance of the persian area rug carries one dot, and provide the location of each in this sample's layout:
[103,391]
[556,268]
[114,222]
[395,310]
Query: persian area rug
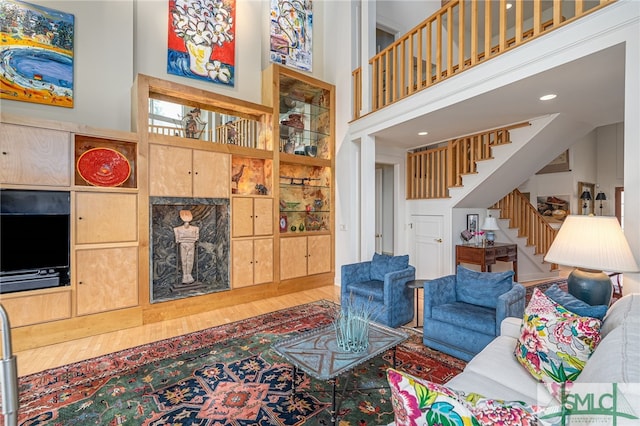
[225,375]
[562,283]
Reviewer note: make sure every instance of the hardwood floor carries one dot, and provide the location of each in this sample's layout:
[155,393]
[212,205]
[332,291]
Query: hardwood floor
[39,359]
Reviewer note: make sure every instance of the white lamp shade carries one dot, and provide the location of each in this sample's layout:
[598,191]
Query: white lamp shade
[490,224]
[592,242]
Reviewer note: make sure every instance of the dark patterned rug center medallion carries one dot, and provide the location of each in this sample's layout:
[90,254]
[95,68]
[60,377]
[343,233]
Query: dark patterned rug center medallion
[225,375]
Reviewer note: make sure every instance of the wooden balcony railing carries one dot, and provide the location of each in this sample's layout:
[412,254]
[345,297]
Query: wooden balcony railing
[433,170]
[462,34]
[530,223]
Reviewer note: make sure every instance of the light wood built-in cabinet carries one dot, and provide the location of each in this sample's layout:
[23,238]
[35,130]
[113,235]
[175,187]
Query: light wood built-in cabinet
[252,262]
[106,217]
[183,172]
[107,279]
[39,155]
[307,255]
[268,164]
[34,156]
[251,216]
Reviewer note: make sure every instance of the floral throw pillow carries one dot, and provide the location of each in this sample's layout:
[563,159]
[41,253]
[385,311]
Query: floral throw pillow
[555,343]
[421,402]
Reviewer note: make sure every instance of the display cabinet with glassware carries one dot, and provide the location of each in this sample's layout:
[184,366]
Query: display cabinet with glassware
[304,126]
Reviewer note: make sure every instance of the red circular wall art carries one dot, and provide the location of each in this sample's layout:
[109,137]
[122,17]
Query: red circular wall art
[104,167]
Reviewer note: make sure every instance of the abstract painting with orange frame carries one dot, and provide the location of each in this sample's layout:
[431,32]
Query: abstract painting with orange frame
[36,54]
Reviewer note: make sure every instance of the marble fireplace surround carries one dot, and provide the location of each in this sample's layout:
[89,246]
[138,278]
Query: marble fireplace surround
[211,257]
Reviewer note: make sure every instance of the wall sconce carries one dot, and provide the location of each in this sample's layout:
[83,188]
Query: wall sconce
[585,197]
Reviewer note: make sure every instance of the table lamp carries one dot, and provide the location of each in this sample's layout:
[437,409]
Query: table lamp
[490,224]
[591,244]
[601,197]
[585,196]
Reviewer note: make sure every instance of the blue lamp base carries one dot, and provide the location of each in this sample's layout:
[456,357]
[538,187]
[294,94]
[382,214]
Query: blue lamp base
[592,287]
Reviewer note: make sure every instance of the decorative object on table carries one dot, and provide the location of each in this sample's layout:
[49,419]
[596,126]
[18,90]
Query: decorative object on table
[466,236]
[478,235]
[201,40]
[290,35]
[301,227]
[601,197]
[490,224]
[283,222]
[293,228]
[37,50]
[591,244]
[103,167]
[311,150]
[352,326]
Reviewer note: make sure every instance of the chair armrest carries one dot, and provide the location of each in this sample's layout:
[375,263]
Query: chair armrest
[353,273]
[438,292]
[510,304]
[395,283]
[510,326]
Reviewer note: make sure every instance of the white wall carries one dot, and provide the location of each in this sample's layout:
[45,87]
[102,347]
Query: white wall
[610,153]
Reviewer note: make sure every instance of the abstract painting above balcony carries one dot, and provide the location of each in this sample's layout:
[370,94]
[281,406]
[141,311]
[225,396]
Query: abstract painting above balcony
[36,54]
[201,41]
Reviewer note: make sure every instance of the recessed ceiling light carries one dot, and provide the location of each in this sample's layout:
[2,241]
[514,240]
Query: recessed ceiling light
[423,133]
[548,97]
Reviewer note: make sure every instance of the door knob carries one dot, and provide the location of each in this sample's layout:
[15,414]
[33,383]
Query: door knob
[438,240]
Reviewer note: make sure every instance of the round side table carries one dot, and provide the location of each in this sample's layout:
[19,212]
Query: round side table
[416,285]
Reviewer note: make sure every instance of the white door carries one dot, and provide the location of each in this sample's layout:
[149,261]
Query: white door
[428,249]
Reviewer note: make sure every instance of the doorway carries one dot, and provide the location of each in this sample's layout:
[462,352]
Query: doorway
[384,207]
[428,249]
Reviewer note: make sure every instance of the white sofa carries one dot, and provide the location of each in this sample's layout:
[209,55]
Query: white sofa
[495,372]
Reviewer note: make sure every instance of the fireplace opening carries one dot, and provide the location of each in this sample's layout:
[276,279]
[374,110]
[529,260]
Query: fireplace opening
[34,239]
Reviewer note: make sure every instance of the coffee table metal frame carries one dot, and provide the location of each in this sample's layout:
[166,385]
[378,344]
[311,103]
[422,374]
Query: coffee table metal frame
[316,353]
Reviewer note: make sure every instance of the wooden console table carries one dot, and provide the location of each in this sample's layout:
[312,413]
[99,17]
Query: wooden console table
[485,256]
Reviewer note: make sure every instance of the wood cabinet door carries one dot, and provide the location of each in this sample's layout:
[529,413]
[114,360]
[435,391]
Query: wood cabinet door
[107,279]
[241,263]
[262,260]
[106,217]
[170,171]
[293,257]
[211,174]
[241,217]
[319,254]
[263,216]
[33,156]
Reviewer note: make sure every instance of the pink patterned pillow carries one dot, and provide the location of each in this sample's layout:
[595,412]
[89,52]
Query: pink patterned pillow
[555,343]
[419,402]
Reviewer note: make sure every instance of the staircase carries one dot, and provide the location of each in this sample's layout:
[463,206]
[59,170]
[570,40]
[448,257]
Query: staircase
[434,171]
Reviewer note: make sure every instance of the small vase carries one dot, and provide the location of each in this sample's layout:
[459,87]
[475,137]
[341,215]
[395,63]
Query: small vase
[199,55]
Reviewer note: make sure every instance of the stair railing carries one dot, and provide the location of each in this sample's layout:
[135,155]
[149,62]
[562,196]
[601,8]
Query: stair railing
[530,223]
[431,171]
[462,34]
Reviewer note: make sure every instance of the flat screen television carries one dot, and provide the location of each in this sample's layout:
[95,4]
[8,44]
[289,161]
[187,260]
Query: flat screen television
[34,239]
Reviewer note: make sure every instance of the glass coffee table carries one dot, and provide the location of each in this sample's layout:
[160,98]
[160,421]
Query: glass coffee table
[317,354]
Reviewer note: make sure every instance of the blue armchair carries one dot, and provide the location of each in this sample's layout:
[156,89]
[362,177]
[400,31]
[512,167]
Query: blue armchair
[463,312]
[382,284]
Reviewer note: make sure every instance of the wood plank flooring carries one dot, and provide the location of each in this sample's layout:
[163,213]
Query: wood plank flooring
[39,359]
